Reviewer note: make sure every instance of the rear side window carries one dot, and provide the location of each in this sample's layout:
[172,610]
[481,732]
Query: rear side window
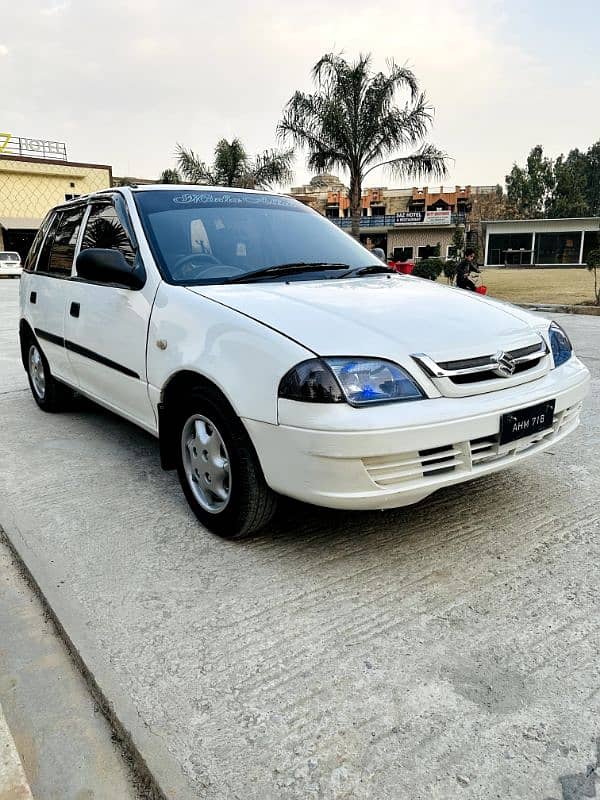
[65,239]
[105,230]
[34,250]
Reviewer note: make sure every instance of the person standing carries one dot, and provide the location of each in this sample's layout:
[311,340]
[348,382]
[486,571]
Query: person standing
[464,270]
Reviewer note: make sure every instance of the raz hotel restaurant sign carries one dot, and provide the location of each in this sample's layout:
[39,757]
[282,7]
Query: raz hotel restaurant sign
[423,217]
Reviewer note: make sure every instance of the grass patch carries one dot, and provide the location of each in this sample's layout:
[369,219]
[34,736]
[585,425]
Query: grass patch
[565,286]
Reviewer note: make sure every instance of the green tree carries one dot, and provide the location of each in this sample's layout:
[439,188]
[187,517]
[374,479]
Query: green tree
[458,241]
[569,195]
[529,189]
[232,166]
[593,264]
[124,181]
[593,179]
[169,176]
[352,122]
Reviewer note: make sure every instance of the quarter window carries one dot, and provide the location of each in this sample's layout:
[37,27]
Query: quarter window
[65,239]
[105,230]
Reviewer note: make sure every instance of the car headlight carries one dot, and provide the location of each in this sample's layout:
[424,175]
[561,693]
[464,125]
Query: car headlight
[358,381]
[562,349]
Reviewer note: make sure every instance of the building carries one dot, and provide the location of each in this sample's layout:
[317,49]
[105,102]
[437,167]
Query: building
[540,242]
[407,223]
[36,175]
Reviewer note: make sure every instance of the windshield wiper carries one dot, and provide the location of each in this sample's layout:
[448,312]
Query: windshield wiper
[372,269]
[292,268]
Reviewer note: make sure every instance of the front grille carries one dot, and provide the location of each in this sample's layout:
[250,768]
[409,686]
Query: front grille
[463,458]
[486,373]
[469,363]
[475,377]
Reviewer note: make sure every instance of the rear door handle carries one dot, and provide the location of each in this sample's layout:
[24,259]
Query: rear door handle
[74,310]
[33,297]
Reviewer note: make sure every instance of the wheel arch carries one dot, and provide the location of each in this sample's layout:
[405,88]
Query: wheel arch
[179,386]
[26,335]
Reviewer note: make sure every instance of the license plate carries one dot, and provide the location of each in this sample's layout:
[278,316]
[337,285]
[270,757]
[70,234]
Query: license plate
[526,421]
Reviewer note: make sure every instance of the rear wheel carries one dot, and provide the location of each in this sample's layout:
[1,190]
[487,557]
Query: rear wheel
[219,471]
[48,393]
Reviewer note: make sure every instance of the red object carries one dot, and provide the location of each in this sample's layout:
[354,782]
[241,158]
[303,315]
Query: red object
[481,289]
[405,267]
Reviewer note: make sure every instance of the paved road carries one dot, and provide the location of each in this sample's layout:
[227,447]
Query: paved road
[64,743]
[447,650]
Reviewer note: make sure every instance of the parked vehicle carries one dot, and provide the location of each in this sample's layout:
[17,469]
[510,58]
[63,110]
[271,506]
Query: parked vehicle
[271,354]
[10,264]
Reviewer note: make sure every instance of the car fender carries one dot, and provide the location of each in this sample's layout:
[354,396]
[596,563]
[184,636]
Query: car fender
[239,355]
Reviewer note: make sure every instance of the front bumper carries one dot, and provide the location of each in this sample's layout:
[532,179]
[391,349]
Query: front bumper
[397,454]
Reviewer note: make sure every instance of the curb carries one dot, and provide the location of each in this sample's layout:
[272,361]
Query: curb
[159,775]
[592,311]
[13,781]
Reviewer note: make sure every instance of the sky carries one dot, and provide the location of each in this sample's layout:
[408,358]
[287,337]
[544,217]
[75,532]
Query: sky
[122,81]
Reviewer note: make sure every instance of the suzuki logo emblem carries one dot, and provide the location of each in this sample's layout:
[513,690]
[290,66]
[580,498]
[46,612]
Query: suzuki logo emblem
[505,364]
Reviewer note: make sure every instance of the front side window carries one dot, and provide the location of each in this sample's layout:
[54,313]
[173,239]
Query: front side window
[44,259]
[105,230]
[65,239]
[34,250]
[202,236]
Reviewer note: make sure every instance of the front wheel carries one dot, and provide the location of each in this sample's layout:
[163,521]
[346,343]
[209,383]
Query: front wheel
[48,393]
[219,471]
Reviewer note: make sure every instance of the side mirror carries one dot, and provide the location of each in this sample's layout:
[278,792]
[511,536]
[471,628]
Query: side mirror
[108,266]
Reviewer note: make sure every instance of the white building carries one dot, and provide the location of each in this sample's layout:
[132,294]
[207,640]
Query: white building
[540,242]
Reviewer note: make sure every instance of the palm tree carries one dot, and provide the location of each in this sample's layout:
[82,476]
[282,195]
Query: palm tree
[233,167]
[351,122]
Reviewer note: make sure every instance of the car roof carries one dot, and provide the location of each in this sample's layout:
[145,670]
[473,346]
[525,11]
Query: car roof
[175,187]
[164,187]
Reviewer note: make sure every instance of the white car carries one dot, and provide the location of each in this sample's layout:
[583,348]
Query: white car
[272,354]
[10,264]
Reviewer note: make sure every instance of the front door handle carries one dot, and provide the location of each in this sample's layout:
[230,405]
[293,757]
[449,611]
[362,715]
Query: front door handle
[33,298]
[74,310]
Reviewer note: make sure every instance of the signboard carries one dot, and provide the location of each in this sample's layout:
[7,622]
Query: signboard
[426,217]
[438,217]
[11,145]
[408,217]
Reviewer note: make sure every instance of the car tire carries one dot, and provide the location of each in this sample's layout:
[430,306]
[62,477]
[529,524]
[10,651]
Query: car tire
[50,395]
[219,470]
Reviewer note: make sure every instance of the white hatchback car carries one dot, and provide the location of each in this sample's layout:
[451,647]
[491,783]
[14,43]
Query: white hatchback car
[10,264]
[272,354]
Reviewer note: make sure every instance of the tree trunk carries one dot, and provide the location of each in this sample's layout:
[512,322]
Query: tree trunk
[355,206]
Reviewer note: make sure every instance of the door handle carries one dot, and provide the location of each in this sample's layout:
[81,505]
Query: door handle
[74,310]
[33,298]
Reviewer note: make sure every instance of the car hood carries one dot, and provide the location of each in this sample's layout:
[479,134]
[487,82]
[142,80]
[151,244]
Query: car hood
[390,316]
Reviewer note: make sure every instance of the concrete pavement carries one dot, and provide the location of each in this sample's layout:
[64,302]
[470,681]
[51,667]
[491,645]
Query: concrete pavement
[66,747]
[13,782]
[446,650]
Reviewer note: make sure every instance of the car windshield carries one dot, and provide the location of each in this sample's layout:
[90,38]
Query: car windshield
[9,256]
[207,237]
